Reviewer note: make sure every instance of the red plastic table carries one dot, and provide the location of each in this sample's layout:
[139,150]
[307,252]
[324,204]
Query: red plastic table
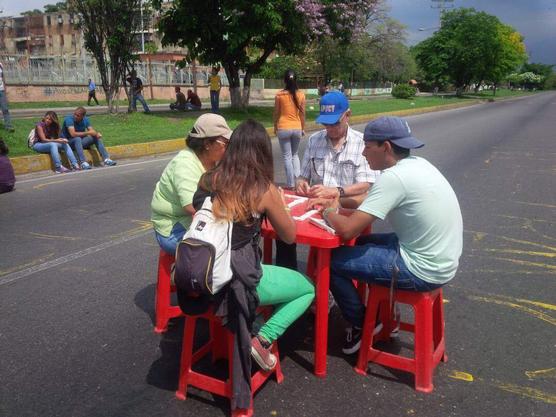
[321,242]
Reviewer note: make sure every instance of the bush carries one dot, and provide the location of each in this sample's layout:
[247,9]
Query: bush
[404,91]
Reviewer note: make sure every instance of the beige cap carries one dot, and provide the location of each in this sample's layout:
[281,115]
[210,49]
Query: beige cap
[210,125]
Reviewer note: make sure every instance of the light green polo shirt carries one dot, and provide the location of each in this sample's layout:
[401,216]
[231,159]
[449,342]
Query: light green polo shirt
[174,191]
[423,210]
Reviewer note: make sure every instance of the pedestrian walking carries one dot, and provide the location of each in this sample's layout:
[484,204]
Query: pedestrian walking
[92,92]
[137,91]
[289,124]
[4,101]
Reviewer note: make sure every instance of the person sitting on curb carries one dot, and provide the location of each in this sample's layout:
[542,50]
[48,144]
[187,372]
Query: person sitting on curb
[423,251]
[193,101]
[181,102]
[7,176]
[78,131]
[333,164]
[47,140]
[172,201]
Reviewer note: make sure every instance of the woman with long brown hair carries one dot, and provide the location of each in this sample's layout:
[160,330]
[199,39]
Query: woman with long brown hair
[242,190]
[289,124]
[47,140]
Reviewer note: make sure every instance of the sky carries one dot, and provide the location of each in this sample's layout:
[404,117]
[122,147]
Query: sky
[534,19]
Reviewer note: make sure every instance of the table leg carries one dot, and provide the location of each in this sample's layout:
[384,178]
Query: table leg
[321,318]
[267,251]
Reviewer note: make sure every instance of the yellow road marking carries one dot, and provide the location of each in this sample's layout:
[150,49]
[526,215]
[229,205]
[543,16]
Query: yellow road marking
[522,252]
[41,186]
[509,239]
[462,376]
[526,263]
[541,373]
[537,314]
[527,392]
[44,236]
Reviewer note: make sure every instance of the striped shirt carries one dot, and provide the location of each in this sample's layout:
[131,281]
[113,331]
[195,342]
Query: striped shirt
[336,168]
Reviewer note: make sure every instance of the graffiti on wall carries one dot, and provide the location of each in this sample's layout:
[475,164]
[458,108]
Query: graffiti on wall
[60,91]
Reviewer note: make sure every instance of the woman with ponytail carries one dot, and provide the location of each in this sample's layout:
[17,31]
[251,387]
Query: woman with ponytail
[289,124]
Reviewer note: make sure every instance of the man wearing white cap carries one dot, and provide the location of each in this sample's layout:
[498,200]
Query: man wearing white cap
[172,202]
[423,252]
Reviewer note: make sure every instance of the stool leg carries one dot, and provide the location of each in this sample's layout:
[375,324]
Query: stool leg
[186,357]
[162,298]
[278,368]
[424,366]
[217,340]
[439,331]
[367,337]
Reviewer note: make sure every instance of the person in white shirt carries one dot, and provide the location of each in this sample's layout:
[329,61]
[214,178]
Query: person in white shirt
[423,251]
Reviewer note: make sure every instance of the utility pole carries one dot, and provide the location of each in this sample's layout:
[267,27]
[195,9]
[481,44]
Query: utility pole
[142,29]
[442,5]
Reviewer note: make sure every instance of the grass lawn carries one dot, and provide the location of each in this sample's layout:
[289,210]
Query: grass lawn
[123,128]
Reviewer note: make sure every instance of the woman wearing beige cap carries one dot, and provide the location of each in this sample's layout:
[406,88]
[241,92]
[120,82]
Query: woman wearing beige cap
[171,204]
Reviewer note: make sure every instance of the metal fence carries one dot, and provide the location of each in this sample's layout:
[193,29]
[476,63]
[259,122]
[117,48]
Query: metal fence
[63,70]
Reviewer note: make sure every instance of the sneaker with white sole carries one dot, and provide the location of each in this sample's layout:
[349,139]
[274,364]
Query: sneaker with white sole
[262,355]
[85,166]
[353,338]
[109,163]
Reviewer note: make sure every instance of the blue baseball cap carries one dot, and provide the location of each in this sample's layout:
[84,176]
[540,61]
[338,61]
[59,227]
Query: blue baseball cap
[393,129]
[332,106]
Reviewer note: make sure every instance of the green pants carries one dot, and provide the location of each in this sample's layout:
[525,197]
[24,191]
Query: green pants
[290,292]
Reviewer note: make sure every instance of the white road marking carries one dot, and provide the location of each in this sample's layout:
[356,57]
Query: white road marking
[15,276]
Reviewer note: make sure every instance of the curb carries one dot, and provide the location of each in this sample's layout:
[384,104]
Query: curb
[42,162]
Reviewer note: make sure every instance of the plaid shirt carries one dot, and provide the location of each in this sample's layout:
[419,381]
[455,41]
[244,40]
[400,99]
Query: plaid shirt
[336,168]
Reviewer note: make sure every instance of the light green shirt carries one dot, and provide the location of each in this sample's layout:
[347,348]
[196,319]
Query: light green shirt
[174,191]
[424,212]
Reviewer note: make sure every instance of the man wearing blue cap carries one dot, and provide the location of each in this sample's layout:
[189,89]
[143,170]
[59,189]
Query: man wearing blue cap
[423,252]
[333,165]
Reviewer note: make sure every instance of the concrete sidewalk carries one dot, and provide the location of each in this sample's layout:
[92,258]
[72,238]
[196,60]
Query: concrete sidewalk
[43,162]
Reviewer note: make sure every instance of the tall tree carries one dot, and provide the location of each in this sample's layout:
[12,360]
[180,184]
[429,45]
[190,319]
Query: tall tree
[242,34]
[109,28]
[469,47]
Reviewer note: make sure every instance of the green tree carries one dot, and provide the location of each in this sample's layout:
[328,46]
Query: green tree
[60,6]
[33,12]
[469,47]
[109,28]
[242,34]
[507,55]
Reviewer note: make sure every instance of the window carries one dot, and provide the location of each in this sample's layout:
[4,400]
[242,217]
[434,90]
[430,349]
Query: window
[48,20]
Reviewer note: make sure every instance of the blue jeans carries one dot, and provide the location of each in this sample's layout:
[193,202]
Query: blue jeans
[289,143]
[54,148]
[78,144]
[142,100]
[5,111]
[371,260]
[170,243]
[214,100]
[189,106]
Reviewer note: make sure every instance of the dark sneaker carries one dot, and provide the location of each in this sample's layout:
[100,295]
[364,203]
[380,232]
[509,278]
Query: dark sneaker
[263,356]
[353,338]
[61,170]
[85,166]
[109,163]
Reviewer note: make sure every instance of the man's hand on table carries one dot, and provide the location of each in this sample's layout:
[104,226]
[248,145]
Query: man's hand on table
[323,203]
[320,191]
[302,187]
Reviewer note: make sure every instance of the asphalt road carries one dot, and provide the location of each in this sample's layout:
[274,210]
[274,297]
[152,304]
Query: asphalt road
[78,267]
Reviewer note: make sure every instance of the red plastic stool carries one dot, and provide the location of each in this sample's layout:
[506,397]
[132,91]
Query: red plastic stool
[221,345]
[164,311]
[429,348]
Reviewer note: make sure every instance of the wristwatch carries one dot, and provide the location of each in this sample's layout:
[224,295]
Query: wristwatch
[341,191]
